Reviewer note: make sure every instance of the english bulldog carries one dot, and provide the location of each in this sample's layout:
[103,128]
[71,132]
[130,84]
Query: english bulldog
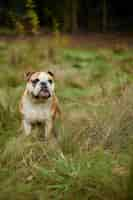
[39,103]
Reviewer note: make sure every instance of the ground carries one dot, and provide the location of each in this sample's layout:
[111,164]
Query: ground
[94,87]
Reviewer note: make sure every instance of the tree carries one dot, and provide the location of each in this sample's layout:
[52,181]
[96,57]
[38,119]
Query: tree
[104,19]
[74,13]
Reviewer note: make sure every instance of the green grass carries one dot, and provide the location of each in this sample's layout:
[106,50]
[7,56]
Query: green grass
[92,161]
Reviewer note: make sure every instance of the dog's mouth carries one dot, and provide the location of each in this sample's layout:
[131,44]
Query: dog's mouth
[43,94]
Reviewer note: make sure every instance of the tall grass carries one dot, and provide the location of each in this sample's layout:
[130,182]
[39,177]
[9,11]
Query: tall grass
[92,158]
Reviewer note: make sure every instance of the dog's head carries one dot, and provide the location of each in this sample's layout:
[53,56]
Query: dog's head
[40,85]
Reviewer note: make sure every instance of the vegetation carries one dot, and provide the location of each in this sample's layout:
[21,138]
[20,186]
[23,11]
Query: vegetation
[92,160]
[72,16]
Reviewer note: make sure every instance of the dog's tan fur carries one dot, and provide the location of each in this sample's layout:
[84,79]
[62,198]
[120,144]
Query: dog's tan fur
[39,110]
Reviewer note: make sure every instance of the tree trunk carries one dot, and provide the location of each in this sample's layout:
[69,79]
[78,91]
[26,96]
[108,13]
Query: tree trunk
[104,20]
[74,16]
[67,16]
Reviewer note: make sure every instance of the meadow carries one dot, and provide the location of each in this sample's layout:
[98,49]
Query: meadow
[94,87]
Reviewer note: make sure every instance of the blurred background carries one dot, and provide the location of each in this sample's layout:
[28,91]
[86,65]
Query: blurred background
[88,44]
[71,16]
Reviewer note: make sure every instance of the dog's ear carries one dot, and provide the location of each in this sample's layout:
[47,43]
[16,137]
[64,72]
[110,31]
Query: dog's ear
[27,75]
[51,73]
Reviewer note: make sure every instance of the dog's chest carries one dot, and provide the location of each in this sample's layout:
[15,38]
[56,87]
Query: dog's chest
[36,112]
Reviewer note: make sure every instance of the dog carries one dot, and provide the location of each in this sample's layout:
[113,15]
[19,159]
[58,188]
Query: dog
[39,103]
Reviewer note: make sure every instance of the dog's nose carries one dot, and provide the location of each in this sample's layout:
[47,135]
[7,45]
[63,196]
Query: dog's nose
[43,84]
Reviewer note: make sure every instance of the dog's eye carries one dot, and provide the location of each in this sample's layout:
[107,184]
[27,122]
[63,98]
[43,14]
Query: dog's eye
[35,81]
[50,81]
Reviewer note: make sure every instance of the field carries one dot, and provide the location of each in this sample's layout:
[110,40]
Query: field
[94,87]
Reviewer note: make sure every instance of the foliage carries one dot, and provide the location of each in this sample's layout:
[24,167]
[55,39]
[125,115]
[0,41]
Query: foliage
[27,22]
[32,17]
[20,27]
[70,16]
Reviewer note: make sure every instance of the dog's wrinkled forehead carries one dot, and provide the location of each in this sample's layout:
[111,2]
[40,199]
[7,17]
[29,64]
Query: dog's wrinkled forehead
[42,76]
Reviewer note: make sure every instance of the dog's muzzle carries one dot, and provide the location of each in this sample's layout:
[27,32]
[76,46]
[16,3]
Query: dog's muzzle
[44,93]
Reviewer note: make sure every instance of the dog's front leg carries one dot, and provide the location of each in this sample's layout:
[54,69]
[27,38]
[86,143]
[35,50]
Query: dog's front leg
[27,127]
[48,129]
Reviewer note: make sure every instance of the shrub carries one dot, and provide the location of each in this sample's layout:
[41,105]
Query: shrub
[19,27]
[32,18]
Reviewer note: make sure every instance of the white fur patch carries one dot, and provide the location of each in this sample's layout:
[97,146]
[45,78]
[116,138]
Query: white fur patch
[34,112]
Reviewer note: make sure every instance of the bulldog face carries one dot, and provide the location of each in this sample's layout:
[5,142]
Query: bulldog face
[40,84]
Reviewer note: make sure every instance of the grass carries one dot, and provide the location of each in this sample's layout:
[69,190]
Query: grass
[94,87]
